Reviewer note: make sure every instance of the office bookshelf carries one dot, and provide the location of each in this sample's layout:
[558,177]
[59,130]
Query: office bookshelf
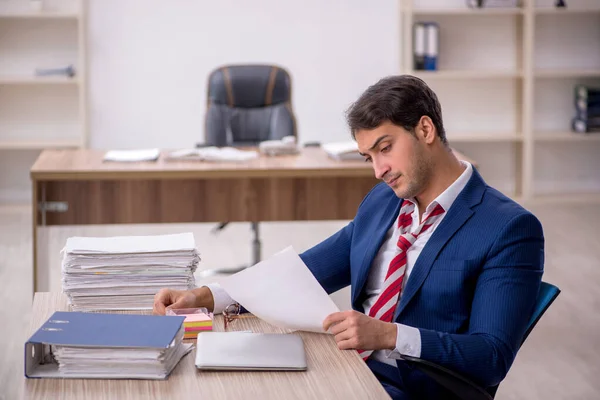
[39,112]
[505,79]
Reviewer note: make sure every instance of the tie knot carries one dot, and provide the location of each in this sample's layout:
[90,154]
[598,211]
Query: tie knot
[408,236]
[430,219]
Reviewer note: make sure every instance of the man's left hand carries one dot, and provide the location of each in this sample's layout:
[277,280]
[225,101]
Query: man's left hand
[354,330]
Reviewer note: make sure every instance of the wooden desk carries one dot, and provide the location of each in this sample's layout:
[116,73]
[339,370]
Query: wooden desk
[308,186]
[72,187]
[331,374]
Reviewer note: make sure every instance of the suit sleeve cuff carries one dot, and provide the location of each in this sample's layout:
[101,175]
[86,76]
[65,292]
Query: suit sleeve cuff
[220,297]
[408,342]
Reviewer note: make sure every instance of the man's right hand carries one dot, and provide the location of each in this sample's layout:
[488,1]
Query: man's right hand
[170,298]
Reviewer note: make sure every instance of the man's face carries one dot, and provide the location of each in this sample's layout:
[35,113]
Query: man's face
[398,157]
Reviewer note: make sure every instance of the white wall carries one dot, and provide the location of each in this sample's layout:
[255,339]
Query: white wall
[149,60]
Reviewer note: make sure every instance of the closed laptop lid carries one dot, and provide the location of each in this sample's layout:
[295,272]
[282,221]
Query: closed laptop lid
[250,351]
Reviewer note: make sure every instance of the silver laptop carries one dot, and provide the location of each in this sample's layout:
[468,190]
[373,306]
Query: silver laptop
[250,351]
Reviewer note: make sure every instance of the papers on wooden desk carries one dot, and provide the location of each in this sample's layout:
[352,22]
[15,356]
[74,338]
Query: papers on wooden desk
[124,273]
[342,150]
[132,155]
[131,363]
[283,292]
[213,154]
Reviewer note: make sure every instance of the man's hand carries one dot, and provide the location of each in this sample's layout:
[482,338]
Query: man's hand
[173,299]
[169,298]
[354,330]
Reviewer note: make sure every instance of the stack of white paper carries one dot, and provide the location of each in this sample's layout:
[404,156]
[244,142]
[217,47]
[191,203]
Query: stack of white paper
[213,154]
[132,155]
[124,273]
[342,150]
[119,363]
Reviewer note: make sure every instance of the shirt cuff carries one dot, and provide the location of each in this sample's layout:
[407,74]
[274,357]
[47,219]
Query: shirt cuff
[408,342]
[220,297]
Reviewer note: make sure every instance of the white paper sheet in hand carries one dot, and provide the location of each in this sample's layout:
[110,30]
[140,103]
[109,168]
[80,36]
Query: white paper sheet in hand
[283,292]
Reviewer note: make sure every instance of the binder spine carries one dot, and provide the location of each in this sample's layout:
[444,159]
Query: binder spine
[432,47]
[587,110]
[419,46]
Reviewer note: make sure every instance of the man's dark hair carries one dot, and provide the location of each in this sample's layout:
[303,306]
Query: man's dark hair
[401,100]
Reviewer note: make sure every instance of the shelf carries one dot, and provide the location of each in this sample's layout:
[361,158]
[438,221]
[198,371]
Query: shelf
[39,15]
[39,144]
[567,73]
[39,112]
[35,80]
[579,198]
[569,11]
[467,11]
[566,137]
[485,137]
[467,74]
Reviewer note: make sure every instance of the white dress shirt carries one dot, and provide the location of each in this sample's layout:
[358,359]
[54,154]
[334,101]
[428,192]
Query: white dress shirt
[408,339]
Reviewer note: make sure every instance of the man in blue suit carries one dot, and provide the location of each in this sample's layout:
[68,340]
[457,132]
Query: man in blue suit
[441,266]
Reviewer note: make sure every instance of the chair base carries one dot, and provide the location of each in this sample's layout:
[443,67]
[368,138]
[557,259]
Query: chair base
[256,254]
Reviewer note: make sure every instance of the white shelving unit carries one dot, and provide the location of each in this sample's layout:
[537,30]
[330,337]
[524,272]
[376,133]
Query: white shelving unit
[20,12]
[35,80]
[468,74]
[565,137]
[39,112]
[581,7]
[467,11]
[506,80]
[566,73]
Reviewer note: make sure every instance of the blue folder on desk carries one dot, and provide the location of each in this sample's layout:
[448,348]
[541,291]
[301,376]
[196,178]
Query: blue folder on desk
[135,342]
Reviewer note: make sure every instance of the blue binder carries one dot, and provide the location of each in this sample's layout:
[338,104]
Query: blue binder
[95,330]
[432,34]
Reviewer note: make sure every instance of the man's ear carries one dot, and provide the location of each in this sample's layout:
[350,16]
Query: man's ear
[426,129]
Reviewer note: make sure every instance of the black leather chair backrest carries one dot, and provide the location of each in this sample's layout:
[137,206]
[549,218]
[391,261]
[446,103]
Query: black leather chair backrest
[248,104]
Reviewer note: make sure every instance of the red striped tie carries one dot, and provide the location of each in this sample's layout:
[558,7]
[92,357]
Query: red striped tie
[386,302]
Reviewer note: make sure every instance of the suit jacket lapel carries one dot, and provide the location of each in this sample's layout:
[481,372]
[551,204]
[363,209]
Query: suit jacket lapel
[387,219]
[459,213]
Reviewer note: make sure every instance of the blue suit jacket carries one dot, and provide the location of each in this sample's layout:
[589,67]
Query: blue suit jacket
[471,291]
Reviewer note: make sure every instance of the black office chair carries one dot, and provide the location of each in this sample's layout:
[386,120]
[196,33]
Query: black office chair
[465,388]
[246,105]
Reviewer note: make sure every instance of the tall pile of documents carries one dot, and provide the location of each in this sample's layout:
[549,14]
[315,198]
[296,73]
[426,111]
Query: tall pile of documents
[124,273]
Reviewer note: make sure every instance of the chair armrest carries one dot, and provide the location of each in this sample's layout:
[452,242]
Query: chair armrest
[457,384]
